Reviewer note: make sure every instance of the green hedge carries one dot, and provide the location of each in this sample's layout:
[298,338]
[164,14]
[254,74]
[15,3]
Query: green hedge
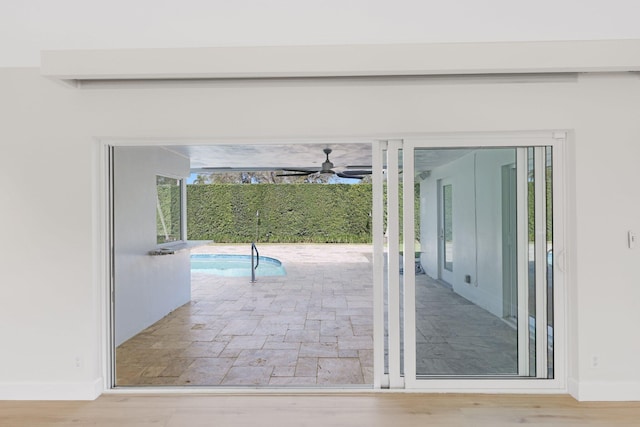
[289,213]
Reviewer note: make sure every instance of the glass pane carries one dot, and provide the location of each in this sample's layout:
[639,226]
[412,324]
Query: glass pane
[549,233]
[468,325]
[531,256]
[447,203]
[168,209]
[385,280]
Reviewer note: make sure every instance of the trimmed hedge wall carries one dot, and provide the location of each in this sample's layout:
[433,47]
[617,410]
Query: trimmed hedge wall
[289,213]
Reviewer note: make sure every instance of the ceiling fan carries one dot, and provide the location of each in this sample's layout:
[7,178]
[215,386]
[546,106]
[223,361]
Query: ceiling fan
[327,168]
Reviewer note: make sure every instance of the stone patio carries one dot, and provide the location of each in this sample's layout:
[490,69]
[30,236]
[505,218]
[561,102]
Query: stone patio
[310,327]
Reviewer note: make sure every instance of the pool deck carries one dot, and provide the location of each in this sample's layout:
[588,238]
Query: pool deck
[312,327]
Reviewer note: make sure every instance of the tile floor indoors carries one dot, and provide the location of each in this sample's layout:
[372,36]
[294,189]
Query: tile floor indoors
[312,327]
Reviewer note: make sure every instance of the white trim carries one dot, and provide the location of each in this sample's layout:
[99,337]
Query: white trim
[606,391]
[409,277]
[561,276]
[522,262]
[540,225]
[573,388]
[82,390]
[435,140]
[378,264]
[393,264]
[76,66]
[103,259]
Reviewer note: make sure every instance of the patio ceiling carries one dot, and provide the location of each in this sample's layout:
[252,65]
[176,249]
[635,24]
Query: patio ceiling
[244,157]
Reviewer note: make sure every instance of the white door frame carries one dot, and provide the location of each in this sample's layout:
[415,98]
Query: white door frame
[381,380]
[524,139]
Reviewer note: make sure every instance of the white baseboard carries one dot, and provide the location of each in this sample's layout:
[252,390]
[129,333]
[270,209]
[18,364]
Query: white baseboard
[573,387]
[605,391]
[89,390]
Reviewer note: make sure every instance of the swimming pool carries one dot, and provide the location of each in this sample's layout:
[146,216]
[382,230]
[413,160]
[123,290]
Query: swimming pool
[235,265]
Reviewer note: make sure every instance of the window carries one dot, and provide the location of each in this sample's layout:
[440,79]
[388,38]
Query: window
[168,209]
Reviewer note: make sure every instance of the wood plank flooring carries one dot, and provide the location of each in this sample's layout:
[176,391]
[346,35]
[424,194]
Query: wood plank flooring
[380,409]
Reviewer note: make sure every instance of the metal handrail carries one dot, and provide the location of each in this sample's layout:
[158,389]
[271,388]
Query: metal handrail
[253,267]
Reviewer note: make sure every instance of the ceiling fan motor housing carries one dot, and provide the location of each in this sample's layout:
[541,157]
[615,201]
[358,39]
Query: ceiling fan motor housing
[327,165]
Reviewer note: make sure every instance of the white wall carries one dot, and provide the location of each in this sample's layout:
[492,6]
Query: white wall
[49,308]
[146,287]
[477,184]
[29,26]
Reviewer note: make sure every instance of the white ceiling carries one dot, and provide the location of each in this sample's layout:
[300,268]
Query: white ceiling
[29,26]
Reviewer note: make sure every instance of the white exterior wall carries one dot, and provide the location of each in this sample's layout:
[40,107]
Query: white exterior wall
[485,267]
[51,313]
[147,287]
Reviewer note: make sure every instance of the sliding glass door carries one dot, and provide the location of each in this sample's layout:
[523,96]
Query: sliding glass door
[469,280]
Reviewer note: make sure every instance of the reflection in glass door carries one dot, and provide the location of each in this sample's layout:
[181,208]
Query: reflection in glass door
[445,238]
[462,330]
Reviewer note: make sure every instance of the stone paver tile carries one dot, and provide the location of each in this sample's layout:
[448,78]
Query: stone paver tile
[248,342]
[271,329]
[240,327]
[153,371]
[301,335]
[307,367]
[223,338]
[244,375]
[318,350]
[292,381]
[204,349]
[230,353]
[312,325]
[355,343]
[171,344]
[360,330]
[280,345]
[201,334]
[348,353]
[367,374]
[360,304]
[321,315]
[284,319]
[362,320]
[177,367]
[206,371]
[281,358]
[339,328]
[284,371]
[334,302]
[366,357]
[339,371]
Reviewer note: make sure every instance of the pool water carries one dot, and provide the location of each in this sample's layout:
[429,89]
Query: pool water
[235,265]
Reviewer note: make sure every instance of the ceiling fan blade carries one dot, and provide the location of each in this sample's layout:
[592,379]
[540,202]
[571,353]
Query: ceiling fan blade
[359,167]
[295,174]
[310,170]
[342,175]
[357,172]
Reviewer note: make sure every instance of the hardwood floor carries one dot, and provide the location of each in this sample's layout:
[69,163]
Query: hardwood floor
[381,409]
